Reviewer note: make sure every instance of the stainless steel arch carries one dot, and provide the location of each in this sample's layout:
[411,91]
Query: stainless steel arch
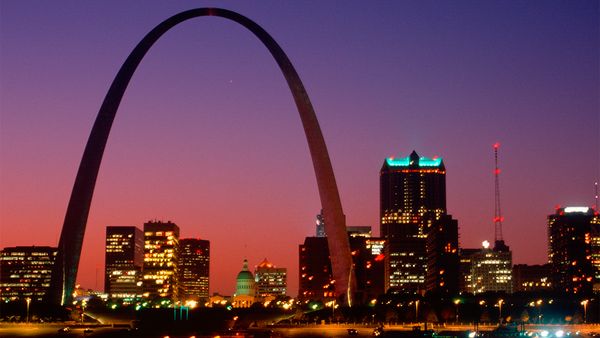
[73,230]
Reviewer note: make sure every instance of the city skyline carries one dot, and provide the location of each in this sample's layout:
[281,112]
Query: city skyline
[421,85]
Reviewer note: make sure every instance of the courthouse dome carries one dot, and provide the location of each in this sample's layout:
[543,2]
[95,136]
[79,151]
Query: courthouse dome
[245,281]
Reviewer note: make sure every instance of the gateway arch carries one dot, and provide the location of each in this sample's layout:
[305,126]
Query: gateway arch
[73,230]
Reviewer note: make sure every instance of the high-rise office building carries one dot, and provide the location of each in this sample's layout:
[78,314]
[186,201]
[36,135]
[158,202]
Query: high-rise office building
[486,269]
[442,256]
[574,249]
[271,281]
[415,223]
[315,269]
[25,272]
[316,282]
[161,254]
[124,258]
[194,264]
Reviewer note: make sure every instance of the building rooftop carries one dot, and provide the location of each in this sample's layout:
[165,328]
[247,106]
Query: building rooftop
[414,160]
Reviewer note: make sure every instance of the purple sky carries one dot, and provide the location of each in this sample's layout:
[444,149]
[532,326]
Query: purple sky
[208,135]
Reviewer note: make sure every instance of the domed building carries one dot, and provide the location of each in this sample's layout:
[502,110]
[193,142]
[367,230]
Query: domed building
[245,288]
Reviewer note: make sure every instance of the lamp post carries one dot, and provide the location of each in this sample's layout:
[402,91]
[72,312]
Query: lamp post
[585,303]
[417,310]
[28,300]
[83,304]
[456,303]
[500,306]
[333,311]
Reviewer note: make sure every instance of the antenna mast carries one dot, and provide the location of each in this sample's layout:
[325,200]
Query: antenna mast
[498,239]
[596,195]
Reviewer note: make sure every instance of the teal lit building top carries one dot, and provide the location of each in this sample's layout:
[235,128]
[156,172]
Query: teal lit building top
[414,161]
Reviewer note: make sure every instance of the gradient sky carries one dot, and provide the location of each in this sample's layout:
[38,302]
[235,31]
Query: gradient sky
[208,135]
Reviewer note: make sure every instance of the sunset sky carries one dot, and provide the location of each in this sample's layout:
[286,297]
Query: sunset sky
[208,135]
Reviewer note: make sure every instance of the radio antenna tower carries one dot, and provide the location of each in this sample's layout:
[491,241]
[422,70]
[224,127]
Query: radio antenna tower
[498,239]
[596,195]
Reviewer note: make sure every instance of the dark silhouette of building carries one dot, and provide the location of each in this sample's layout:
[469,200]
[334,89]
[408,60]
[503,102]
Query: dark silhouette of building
[442,256]
[316,281]
[161,258]
[124,258]
[271,281]
[194,267]
[531,277]
[421,253]
[73,230]
[25,272]
[574,249]
[466,261]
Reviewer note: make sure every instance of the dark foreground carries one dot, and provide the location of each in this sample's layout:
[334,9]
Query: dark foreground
[52,330]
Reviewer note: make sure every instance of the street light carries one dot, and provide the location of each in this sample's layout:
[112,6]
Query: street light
[500,301]
[457,302]
[333,311]
[28,300]
[585,303]
[83,304]
[417,310]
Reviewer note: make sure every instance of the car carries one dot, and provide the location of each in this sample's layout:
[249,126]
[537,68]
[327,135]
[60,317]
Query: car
[352,332]
[64,329]
[378,331]
[88,330]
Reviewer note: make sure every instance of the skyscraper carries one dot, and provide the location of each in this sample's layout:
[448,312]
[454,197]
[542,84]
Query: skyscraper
[271,281]
[574,249]
[194,264]
[161,253]
[414,221]
[124,258]
[25,272]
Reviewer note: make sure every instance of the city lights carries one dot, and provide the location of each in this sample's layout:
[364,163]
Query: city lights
[358,242]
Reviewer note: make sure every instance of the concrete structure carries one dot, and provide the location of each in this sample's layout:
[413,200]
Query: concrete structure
[194,268]
[123,261]
[73,230]
[574,249]
[271,281]
[25,272]
[161,258]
